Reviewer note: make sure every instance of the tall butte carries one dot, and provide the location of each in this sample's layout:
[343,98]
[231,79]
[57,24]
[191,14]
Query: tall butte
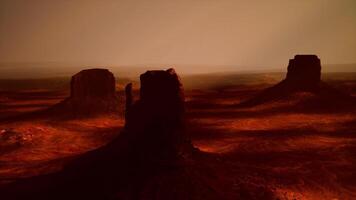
[155,123]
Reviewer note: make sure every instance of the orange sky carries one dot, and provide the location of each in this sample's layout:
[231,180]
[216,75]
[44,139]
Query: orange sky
[213,33]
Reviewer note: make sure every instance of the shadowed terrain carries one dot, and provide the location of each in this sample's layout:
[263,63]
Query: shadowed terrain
[274,149]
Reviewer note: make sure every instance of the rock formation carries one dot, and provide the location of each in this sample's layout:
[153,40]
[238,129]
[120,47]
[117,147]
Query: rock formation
[129,99]
[92,91]
[161,95]
[156,121]
[92,84]
[304,72]
[150,159]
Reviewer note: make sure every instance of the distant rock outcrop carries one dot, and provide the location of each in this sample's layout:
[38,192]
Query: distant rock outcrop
[304,72]
[304,75]
[92,84]
[92,91]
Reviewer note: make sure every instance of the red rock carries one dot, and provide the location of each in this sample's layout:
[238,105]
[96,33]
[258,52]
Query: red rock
[155,122]
[92,91]
[304,72]
[93,84]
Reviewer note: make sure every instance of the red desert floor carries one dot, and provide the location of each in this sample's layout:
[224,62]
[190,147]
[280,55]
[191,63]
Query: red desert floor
[301,155]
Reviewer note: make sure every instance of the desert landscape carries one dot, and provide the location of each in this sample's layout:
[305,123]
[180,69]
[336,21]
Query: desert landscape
[297,146]
[177,100]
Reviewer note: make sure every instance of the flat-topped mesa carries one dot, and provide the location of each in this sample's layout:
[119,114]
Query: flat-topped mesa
[92,90]
[304,72]
[156,120]
[303,86]
[93,83]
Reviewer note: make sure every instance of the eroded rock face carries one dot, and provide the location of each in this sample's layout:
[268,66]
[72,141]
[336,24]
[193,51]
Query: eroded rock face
[162,91]
[93,83]
[304,72]
[155,122]
[92,91]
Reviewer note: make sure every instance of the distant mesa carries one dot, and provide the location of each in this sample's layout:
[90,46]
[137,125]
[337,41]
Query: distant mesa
[91,91]
[93,84]
[304,78]
[304,72]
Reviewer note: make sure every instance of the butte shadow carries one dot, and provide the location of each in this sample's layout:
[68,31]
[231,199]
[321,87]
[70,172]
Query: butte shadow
[303,86]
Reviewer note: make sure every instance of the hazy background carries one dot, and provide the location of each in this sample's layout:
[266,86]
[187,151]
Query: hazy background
[59,37]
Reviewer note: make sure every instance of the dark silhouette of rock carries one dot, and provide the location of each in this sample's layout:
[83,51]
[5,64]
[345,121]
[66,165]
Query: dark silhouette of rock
[304,75]
[161,97]
[304,72]
[156,121]
[92,91]
[129,99]
[162,89]
[151,158]
[93,84]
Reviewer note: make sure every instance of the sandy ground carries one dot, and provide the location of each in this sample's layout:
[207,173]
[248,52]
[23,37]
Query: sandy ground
[300,155]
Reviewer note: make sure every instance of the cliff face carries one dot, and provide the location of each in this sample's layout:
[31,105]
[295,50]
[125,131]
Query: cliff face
[155,122]
[162,92]
[93,84]
[304,72]
[92,92]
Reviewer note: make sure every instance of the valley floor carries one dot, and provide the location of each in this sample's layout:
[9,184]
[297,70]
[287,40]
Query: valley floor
[298,154]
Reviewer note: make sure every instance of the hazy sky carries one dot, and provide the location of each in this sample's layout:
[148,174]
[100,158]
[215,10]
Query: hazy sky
[214,33]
